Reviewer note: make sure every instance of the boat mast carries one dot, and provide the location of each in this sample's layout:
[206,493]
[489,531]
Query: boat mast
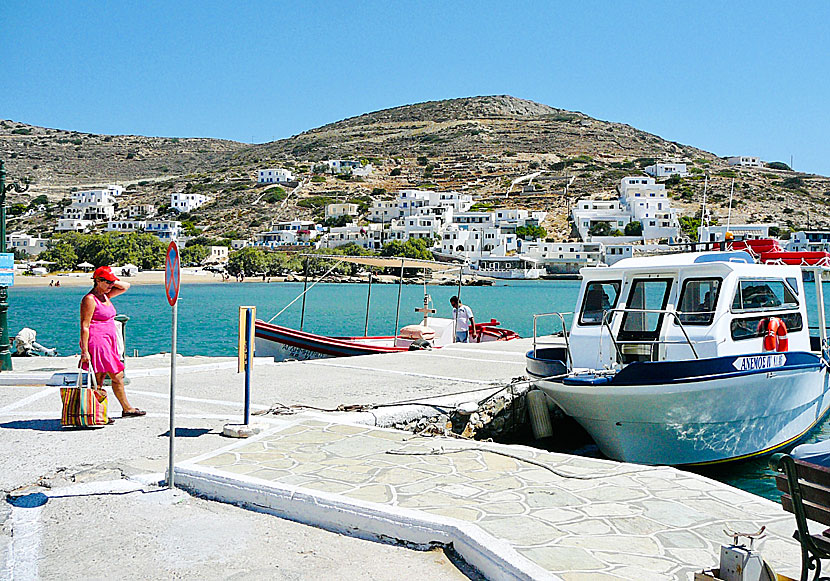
[368,300]
[729,212]
[305,290]
[703,207]
[398,308]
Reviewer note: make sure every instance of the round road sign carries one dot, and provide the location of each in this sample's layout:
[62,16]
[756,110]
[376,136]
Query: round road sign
[172,274]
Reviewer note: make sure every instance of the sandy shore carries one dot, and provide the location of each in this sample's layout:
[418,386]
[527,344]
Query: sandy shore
[189,276]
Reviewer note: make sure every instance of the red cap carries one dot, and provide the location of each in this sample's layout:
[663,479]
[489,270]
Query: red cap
[104,272]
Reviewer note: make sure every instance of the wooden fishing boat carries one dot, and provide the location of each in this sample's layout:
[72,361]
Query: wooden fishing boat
[285,343]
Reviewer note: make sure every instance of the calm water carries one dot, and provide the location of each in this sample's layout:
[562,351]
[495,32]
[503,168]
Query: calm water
[207,316]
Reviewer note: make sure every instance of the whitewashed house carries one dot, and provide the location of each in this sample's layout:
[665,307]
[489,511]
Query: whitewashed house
[809,241]
[165,230]
[649,204]
[182,202]
[383,210]
[612,253]
[738,231]
[588,213]
[349,166]
[288,233]
[141,211]
[91,205]
[369,236]
[563,257]
[472,244]
[745,161]
[126,226]
[73,225]
[23,242]
[665,170]
[337,210]
[274,176]
[240,244]
[216,255]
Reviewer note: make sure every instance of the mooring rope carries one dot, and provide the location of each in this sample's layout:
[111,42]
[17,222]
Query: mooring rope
[336,264]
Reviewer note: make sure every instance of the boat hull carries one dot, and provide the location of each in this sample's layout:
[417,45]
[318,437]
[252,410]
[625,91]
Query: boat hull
[699,412]
[286,344]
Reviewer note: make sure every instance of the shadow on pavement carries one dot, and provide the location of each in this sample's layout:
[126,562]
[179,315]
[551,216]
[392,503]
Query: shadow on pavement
[37,425]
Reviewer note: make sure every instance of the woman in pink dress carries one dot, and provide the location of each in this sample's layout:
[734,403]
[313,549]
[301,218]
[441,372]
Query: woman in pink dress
[99,342]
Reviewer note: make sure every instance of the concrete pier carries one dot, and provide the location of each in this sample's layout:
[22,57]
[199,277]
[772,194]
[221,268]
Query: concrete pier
[510,511]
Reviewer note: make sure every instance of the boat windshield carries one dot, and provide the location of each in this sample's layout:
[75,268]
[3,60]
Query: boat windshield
[600,296]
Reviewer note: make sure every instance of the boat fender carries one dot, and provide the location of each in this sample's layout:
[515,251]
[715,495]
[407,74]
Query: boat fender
[420,345]
[775,338]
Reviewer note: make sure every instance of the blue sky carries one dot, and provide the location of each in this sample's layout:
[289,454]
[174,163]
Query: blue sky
[748,78]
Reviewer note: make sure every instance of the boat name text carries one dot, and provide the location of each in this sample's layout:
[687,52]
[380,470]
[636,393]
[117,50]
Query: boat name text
[759,362]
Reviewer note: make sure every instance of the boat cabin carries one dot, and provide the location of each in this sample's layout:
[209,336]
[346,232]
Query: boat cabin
[687,306]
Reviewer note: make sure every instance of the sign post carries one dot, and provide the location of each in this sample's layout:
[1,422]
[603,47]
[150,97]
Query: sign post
[247,328]
[172,276]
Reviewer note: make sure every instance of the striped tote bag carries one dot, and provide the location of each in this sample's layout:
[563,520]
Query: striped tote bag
[84,405]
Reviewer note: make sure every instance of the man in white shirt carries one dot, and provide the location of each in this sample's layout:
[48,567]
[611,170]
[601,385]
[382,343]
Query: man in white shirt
[465,325]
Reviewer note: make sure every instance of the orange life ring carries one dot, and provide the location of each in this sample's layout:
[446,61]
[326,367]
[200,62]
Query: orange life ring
[775,338]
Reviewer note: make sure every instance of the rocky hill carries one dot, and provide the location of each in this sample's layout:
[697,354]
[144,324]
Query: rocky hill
[479,144]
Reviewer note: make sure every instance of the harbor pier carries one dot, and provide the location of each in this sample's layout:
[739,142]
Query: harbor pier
[507,511]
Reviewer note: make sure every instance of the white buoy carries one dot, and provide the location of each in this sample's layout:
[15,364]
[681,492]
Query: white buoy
[537,405]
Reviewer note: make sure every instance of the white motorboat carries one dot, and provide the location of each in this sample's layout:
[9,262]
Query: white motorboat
[689,358]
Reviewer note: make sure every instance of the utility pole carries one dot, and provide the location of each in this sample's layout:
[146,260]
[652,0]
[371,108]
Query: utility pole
[5,354]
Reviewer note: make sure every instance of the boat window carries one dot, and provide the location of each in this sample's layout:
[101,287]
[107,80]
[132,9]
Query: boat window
[650,294]
[793,284]
[697,301]
[752,327]
[600,296]
[762,295]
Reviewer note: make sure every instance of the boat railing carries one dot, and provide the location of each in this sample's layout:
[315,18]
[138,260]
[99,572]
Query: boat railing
[609,314]
[561,317]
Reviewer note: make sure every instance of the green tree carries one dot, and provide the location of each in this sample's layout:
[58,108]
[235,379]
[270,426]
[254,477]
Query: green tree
[194,254]
[247,261]
[412,248]
[634,229]
[531,232]
[600,229]
[689,226]
[62,254]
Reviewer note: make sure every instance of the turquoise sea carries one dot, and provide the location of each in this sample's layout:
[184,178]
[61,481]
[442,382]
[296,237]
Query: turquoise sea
[207,324]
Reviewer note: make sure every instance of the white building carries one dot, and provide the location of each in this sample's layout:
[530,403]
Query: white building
[126,226]
[588,213]
[612,253]
[473,244]
[370,236]
[809,241]
[349,166]
[166,230]
[738,231]
[383,210]
[73,225]
[665,170]
[288,233]
[745,161]
[274,176]
[22,242]
[182,202]
[141,211]
[337,210]
[92,205]
[563,257]
[216,255]
[641,200]
[240,244]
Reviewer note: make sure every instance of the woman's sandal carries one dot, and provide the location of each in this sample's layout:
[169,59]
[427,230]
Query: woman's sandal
[110,421]
[136,413]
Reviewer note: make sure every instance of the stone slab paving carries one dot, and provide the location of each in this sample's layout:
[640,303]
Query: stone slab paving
[511,511]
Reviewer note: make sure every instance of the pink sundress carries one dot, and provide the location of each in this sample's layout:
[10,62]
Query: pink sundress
[103,339]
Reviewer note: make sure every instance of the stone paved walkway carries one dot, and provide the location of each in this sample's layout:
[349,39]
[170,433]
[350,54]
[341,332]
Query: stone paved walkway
[512,511]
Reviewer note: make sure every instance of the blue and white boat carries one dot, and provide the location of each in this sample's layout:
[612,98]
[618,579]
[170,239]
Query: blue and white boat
[691,358]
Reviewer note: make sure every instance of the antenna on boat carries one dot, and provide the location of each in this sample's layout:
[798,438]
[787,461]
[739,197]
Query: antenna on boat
[729,212]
